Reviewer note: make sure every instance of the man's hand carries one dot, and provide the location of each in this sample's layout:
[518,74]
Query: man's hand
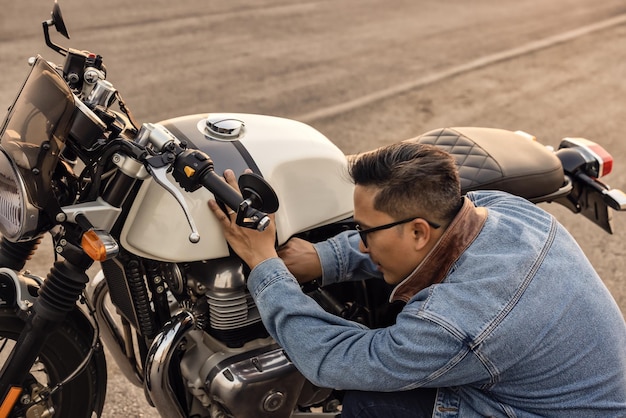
[251,245]
[301,259]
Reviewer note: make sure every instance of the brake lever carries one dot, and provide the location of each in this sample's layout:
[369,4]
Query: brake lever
[159,174]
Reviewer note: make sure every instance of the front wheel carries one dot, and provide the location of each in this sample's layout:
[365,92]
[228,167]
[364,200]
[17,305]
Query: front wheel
[63,352]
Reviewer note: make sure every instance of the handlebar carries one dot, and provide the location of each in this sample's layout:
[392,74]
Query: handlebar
[193,168]
[247,215]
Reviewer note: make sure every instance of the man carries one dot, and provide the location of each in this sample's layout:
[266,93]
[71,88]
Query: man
[504,315]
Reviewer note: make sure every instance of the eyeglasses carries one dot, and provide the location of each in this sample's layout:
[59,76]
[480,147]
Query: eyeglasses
[363,232]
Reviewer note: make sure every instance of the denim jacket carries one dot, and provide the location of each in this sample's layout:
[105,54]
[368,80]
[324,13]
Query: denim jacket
[515,324]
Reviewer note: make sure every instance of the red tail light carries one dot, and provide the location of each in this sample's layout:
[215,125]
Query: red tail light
[599,161]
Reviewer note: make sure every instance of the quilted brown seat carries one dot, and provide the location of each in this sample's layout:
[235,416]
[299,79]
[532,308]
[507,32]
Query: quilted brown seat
[497,159]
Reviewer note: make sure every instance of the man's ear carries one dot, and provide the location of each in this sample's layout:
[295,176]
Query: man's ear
[421,233]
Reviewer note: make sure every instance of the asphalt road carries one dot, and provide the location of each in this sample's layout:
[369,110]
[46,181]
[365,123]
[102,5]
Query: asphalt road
[364,72]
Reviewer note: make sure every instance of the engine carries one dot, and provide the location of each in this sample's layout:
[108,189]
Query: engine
[232,316]
[232,363]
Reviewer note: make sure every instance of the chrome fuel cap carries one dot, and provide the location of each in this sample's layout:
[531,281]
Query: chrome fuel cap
[225,129]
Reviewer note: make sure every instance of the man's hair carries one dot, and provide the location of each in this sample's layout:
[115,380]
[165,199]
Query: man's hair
[412,179]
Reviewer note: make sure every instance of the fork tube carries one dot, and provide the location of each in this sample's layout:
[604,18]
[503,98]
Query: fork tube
[57,297]
[14,255]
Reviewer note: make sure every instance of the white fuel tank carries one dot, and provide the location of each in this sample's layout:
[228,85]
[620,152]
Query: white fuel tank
[307,171]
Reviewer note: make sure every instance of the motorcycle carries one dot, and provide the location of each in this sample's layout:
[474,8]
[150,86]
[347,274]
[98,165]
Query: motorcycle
[169,300]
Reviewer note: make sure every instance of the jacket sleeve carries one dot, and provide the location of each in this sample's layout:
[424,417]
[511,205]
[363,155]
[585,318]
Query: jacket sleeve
[342,260]
[333,352]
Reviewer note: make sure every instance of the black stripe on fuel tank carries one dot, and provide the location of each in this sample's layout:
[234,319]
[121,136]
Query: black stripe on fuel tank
[225,154]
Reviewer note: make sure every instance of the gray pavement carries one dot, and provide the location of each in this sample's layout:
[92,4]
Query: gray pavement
[354,70]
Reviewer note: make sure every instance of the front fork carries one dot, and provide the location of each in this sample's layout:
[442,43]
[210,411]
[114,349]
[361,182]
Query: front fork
[57,297]
[14,255]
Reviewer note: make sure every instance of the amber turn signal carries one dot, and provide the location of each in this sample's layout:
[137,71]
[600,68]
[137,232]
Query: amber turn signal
[99,245]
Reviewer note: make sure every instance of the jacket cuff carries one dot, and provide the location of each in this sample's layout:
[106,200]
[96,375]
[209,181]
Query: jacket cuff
[265,273]
[330,259]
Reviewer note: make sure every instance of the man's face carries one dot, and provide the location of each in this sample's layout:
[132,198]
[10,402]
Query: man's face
[394,249]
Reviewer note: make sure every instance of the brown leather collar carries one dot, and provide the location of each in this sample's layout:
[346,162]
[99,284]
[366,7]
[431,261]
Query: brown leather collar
[461,232]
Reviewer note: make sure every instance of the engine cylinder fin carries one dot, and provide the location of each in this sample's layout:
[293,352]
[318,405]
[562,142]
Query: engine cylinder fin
[228,311]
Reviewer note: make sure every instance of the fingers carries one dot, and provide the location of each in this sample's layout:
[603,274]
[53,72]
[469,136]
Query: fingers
[223,218]
[231,179]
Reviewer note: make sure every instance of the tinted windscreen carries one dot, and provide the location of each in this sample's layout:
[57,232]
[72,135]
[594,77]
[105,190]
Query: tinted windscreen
[41,114]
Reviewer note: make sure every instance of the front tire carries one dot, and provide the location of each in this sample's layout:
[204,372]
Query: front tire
[64,350]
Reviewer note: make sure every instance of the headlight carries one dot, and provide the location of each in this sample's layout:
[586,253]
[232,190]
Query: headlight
[18,217]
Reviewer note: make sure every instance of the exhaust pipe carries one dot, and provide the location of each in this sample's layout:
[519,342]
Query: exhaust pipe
[156,383]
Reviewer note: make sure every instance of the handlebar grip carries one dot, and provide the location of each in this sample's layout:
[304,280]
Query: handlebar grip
[246,215]
[221,189]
